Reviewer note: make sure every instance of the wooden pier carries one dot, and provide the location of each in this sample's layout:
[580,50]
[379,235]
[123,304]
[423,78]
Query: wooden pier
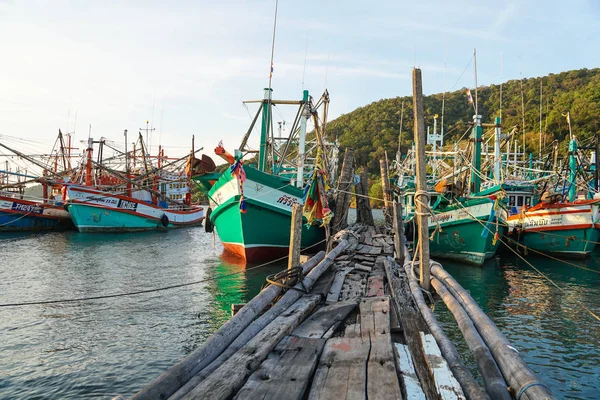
[351,329]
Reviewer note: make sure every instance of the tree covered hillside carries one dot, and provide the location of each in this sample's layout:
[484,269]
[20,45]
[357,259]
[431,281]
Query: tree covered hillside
[374,128]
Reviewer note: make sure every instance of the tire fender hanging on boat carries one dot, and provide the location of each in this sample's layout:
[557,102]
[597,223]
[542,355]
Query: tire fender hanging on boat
[208,226]
[164,220]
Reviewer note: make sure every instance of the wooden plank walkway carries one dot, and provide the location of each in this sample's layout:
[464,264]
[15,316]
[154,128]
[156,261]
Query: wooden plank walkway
[337,341]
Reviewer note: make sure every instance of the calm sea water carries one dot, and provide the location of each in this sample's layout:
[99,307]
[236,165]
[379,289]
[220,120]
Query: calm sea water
[558,339]
[102,348]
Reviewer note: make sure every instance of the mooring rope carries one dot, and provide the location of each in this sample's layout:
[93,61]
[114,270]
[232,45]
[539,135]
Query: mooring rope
[145,291]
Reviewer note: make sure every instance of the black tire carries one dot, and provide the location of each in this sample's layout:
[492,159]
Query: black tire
[164,220]
[208,226]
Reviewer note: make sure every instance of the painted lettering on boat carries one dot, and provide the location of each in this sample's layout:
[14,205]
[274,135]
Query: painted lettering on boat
[127,205]
[27,208]
[287,200]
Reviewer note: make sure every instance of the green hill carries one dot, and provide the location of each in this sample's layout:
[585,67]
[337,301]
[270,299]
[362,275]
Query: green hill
[374,128]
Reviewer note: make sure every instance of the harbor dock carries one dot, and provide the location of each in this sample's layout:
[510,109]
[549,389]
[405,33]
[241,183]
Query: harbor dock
[348,326]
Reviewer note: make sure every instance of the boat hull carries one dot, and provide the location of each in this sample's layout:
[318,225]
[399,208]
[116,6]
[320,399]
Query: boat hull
[262,233]
[563,229]
[96,211]
[462,234]
[18,215]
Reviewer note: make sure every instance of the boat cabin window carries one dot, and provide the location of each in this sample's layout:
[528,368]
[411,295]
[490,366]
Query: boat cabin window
[511,200]
[519,201]
[433,200]
[528,201]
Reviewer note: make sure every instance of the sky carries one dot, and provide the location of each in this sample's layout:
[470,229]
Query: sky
[98,68]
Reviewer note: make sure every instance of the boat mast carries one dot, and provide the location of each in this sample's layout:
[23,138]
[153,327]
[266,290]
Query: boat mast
[497,160]
[266,112]
[476,135]
[302,139]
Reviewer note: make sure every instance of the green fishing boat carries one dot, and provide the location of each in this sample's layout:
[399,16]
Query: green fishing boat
[251,205]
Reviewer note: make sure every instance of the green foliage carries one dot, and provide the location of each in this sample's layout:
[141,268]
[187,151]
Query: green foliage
[373,129]
[376,192]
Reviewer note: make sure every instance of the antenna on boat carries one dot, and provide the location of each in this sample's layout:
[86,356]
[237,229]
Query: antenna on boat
[523,113]
[501,86]
[273,49]
[475,59]
[444,97]
[400,133]
[540,154]
[305,56]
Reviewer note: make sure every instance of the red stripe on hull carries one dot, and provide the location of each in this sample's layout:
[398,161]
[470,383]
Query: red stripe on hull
[255,254]
[558,228]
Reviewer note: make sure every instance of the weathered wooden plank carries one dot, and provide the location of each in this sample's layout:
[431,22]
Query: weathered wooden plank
[375,286]
[365,249]
[286,372]
[323,285]
[361,257]
[363,268]
[323,319]
[447,385]
[229,377]
[342,370]
[336,286]
[412,386]
[375,250]
[382,381]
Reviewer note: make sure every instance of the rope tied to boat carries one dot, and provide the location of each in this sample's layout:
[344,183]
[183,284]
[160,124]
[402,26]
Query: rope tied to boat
[428,212]
[288,279]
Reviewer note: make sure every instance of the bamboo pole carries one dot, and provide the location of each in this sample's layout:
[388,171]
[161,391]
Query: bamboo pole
[472,390]
[295,236]
[523,382]
[290,297]
[422,195]
[171,380]
[492,377]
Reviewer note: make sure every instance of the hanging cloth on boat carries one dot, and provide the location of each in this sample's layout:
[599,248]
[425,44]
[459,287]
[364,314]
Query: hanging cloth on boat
[316,206]
[237,169]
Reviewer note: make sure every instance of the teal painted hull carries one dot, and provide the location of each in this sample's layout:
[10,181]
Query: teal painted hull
[464,242]
[577,243]
[261,233]
[94,219]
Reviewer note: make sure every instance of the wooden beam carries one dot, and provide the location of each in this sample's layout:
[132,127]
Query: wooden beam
[286,372]
[226,380]
[342,370]
[295,237]
[421,195]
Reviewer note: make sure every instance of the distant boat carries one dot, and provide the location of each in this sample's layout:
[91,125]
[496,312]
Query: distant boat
[95,210]
[18,214]
[111,201]
[20,211]
[564,228]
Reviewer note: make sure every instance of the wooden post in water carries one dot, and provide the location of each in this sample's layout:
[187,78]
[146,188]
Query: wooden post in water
[422,195]
[385,186]
[342,199]
[366,202]
[295,236]
[398,233]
